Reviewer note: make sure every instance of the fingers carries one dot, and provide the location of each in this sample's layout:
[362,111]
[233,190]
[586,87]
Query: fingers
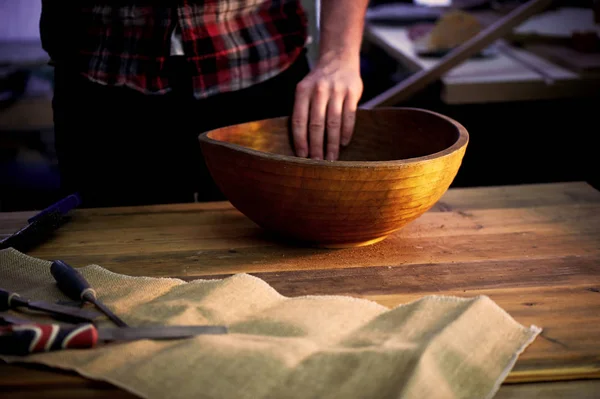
[316,126]
[349,116]
[334,123]
[348,121]
[300,118]
[316,108]
[323,109]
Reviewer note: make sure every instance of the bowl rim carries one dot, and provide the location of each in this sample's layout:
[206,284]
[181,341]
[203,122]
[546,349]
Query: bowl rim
[461,141]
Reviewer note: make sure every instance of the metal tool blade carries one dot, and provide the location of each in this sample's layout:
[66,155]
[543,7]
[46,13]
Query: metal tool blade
[156,332]
[81,314]
[10,319]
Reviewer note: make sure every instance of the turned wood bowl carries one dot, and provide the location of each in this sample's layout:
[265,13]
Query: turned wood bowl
[397,166]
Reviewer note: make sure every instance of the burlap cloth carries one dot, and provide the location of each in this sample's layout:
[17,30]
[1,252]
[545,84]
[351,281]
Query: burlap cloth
[279,347]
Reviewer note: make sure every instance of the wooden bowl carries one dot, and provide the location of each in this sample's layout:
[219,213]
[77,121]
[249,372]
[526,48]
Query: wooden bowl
[399,163]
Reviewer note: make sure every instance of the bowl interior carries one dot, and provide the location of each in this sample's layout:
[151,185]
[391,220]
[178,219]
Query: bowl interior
[379,135]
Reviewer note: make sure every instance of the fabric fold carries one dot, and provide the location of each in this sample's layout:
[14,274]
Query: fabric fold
[283,347]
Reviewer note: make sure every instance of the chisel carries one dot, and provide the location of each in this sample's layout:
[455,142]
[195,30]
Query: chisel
[34,233]
[63,207]
[41,225]
[10,319]
[12,300]
[76,287]
[24,339]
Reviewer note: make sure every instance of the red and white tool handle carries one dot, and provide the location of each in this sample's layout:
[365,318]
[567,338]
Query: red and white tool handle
[23,339]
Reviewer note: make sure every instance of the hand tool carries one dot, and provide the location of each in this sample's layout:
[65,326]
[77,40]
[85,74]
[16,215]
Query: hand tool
[23,339]
[34,233]
[41,225]
[10,319]
[63,207]
[11,300]
[76,287]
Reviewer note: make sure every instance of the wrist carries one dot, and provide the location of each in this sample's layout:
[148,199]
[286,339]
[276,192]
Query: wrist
[349,57]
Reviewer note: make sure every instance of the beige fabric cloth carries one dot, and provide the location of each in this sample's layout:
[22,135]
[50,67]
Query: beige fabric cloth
[279,347]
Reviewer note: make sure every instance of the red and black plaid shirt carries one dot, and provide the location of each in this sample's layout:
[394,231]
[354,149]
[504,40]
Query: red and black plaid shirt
[231,44]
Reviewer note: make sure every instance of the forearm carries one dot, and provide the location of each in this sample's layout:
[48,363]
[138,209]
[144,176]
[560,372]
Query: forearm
[341,30]
[326,99]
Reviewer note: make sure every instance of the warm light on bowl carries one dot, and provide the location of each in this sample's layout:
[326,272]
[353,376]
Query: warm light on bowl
[398,165]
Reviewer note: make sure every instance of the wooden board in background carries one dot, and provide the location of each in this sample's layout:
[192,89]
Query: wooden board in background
[555,26]
[585,64]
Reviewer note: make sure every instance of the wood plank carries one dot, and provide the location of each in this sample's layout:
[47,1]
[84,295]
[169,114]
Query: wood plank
[67,393]
[521,196]
[14,378]
[191,233]
[195,232]
[194,244]
[70,393]
[64,385]
[508,196]
[555,390]
[432,278]
[454,199]
[395,251]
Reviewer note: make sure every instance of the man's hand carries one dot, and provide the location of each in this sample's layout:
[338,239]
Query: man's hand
[326,99]
[325,108]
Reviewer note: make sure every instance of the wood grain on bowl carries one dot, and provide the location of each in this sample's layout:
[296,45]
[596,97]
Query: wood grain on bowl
[399,163]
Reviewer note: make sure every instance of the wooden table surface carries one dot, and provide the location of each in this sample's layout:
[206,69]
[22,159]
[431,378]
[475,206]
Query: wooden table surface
[533,249]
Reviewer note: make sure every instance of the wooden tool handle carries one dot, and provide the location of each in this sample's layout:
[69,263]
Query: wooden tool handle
[74,285]
[70,281]
[419,80]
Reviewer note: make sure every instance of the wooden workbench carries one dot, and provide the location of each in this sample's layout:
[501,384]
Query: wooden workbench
[533,249]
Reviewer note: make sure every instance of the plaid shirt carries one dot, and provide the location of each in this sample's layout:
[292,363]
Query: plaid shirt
[231,44]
